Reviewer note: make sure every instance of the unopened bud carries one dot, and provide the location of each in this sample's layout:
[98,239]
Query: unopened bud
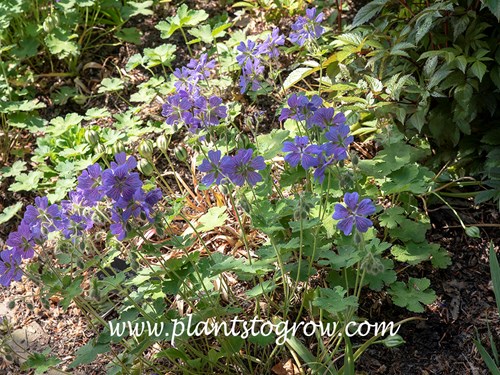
[162,143]
[92,137]
[118,147]
[181,153]
[145,167]
[146,149]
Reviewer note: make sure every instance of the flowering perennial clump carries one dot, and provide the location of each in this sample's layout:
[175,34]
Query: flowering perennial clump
[239,169]
[307,28]
[75,215]
[319,156]
[190,105]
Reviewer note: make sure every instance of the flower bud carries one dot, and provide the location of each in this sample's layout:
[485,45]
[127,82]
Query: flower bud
[393,341]
[162,143]
[355,160]
[180,153]
[100,149]
[146,149]
[145,167]
[118,147]
[92,137]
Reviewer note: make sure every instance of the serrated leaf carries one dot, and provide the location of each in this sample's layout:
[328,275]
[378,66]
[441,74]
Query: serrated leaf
[9,212]
[392,216]
[110,85]
[88,353]
[215,217]
[61,44]
[270,145]
[134,8]
[130,34]
[334,300]
[40,362]
[203,33]
[414,295]
[26,182]
[17,168]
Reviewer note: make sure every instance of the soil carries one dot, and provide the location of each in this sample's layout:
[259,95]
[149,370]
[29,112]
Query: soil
[440,343]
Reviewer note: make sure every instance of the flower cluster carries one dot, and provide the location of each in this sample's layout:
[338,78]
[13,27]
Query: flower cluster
[307,28]
[190,106]
[252,56]
[353,214]
[316,120]
[239,169]
[75,215]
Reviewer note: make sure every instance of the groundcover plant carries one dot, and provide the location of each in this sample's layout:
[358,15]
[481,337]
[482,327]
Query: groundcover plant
[199,234]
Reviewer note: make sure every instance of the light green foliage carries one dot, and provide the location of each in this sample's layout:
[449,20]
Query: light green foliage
[413,294]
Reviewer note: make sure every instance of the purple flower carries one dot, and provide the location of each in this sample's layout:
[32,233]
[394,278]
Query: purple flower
[209,112]
[202,67]
[252,75]
[270,46]
[10,270]
[323,163]
[241,168]
[177,107]
[307,28]
[354,214]
[186,79]
[140,203]
[248,52]
[118,226]
[300,107]
[212,168]
[42,218]
[22,242]
[76,220]
[89,183]
[301,152]
[325,117]
[118,182]
[339,141]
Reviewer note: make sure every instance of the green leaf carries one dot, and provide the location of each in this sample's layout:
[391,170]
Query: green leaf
[367,12]
[184,17]
[410,230]
[346,257]
[334,300]
[215,217]
[495,274]
[414,253]
[110,85]
[88,353]
[9,212]
[130,34]
[40,362]
[296,76]
[203,33]
[269,145]
[493,6]
[17,168]
[478,69]
[392,217]
[134,8]
[414,295]
[60,44]
[134,61]
[262,288]
[161,55]
[26,182]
